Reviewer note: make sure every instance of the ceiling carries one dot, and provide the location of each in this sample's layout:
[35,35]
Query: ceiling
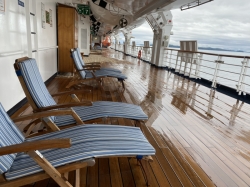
[107,14]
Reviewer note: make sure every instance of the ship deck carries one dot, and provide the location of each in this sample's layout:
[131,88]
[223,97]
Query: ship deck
[201,137]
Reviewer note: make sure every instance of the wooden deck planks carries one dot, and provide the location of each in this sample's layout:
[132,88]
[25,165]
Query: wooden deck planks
[192,150]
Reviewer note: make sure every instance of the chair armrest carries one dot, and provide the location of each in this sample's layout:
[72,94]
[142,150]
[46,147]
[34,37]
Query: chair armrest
[93,63]
[42,115]
[69,92]
[36,145]
[67,105]
[91,66]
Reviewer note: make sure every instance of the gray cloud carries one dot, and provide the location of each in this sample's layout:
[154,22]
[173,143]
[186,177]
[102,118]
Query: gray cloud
[220,23]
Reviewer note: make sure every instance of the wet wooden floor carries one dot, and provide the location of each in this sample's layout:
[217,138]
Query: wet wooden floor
[201,137]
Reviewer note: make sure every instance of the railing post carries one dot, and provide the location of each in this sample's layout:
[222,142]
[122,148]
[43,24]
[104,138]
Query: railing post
[241,86]
[218,63]
[145,50]
[176,63]
[210,104]
[198,65]
[188,59]
[193,61]
[169,56]
[182,55]
[133,48]
[165,56]
[235,111]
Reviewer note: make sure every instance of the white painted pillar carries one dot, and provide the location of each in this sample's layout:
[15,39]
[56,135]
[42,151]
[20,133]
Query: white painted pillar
[128,37]
[145,53]
[116,42]
[154,49]
[161,39]
[133,52]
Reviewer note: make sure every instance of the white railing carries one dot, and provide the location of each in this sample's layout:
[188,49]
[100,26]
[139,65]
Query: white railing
[112,45]
[146,52]
[121,47]
[228,70]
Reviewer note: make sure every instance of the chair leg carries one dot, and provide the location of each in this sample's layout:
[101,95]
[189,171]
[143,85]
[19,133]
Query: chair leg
[123,85]
[99,82]
[122,82]
[138,124]
[77,178]
[49,169]
[66,175]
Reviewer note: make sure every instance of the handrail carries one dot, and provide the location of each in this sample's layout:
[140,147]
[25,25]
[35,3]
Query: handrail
[141,46]
[205,53]
[47,48]
[11,53]
[196,65]
[196,62]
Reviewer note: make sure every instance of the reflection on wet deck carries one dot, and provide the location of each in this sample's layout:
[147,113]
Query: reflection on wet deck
[199,134]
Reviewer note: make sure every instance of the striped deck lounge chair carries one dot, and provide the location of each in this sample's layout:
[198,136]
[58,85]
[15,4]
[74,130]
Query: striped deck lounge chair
[41,100]
[94,72]
[94,63]
[24,160]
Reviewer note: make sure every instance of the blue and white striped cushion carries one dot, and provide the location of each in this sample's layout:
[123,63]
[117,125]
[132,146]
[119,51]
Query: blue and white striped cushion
[83,64]
[35,84]
[9,135]
[98,73]
[42,98]
[101,109]
[88,141]
[78,64]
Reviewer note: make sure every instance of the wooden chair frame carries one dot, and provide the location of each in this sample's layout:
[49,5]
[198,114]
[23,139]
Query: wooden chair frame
[92,68]
[72,93]
[50,108]
[31,148]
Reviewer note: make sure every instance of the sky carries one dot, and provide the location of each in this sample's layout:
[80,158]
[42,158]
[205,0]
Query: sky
[219,24]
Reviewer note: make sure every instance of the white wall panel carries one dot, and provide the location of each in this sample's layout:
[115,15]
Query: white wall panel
[84,25]
[12,40]
[47,38]
[47,59]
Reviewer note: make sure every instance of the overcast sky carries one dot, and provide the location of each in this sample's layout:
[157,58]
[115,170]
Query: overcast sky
[220,23]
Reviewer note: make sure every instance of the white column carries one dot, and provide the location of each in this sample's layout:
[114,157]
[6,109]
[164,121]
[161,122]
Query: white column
[116,42]
[154,49]
[161,39]
[145,53]
[128,37]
